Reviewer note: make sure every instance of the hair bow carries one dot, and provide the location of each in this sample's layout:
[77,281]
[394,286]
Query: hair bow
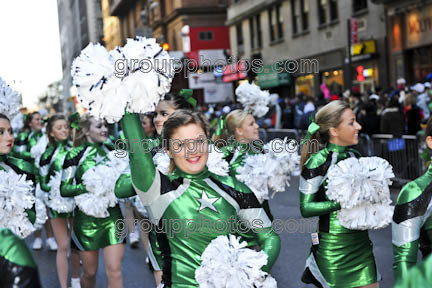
[187,94]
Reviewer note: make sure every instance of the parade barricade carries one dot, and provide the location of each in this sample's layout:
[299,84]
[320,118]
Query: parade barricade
[402,153]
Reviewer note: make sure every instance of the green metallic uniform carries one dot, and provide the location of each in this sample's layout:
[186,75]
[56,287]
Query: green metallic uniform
[24,142]
[203,199]
[412,224]
[17,268]
[89,233]
[419,276]
[51,162]
[343,258]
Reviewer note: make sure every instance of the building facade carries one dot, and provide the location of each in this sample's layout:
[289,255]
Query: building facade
[303,44]
[190,29]
[80,22]
[409,25]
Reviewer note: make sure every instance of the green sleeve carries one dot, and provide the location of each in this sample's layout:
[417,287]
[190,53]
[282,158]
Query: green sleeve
[67,186]
[123,187]
[270,243]
[311,202]
[44,166]
[405,248]
[142,168]
[21,149]
[418,276]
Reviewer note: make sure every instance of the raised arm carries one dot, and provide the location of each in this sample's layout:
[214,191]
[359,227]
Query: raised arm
[144,177]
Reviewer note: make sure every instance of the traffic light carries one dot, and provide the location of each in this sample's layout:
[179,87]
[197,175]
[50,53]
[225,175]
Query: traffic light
[166,46]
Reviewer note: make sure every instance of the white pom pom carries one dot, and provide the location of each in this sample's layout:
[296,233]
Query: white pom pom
[151,71]
[227,263]
[10,101]
[100,182]
[253,98]
[38,149]
[361,186]
[55,200]
[216,162]
[270,170]
[99,90]
[16,195]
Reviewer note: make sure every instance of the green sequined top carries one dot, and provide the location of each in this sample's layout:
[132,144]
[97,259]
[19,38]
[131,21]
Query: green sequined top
[202,199]
[24,142]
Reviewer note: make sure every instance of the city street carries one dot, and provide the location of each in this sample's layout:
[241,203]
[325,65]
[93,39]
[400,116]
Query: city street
[287,270]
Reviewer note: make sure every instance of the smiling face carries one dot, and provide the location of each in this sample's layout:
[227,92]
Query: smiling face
[36,122]
[6,137]
[163,110]
[60,130]
[98,131]
[189,148]
[248,131]
[346,134]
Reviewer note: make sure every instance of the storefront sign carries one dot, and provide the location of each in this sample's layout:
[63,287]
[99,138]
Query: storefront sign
[234,72]
[419,27]
[271,77]
[363,50]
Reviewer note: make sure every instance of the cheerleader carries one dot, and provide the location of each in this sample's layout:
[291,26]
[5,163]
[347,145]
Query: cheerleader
[50,166]
[190,191]
[16,262]
[241,127]
[339,257]
[27,139]
[167,106]
[89,234]
[412,221]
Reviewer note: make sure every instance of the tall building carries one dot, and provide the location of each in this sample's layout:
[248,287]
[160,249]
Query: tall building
[80,22]
[303,44]
[409,26]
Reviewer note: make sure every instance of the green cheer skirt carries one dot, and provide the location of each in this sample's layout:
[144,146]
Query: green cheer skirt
[341,260]
[90,233]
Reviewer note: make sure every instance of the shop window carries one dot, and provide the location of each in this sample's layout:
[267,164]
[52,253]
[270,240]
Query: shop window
[295,13]
[205,36]
[333,10]
[322,11]
[305,14]
[300,15]
[275,23]
[258,30]
[240,43]
[359,5]
[334,81]
[305,84]
[252,32]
